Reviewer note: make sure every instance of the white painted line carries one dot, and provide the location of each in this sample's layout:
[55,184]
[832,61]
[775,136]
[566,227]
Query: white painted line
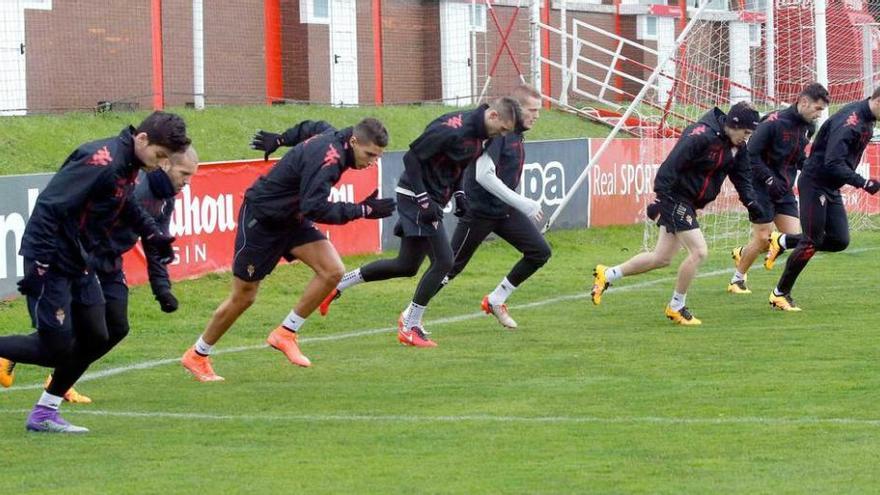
[476,418]
[362,333]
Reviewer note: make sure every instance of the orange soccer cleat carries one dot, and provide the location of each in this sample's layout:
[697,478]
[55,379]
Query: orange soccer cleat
[285,341]
[324,308]
[199,366]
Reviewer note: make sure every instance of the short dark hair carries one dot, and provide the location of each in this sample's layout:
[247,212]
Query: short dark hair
[165,129]
[876,93]
[816,92]
[371,130]
[509,110]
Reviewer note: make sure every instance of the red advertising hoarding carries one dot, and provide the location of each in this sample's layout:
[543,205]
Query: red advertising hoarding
[622,182]
[206,215]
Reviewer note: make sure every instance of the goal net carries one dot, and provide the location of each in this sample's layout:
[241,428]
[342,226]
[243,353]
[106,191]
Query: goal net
[727,51]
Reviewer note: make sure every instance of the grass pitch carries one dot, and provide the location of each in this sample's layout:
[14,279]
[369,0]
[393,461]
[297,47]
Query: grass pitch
[580,399]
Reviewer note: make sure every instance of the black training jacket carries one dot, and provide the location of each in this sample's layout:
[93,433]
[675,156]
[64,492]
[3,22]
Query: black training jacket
[703,156]
[298,185]
[509,156]
[436,159]
[90,195]
[839,145]
[108,257]
[778,146]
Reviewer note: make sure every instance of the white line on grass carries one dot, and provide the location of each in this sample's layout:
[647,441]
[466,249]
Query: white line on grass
[363,333]
[360,333]
[475,418]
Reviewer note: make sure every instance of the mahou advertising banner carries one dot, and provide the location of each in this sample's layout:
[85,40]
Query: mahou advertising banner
[206,216]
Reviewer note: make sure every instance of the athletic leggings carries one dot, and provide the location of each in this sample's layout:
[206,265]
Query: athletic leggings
[413,251]
[825,228]
[98,329]
[516,229]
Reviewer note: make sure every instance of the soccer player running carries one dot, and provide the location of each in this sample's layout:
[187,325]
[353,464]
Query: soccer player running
[777,151]
[433,169]
[689,179]
[833,159]
[275,221]
[494,206]
[91,190]
[155,193]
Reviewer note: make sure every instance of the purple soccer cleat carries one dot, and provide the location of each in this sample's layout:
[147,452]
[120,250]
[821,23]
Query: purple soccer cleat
[48,420]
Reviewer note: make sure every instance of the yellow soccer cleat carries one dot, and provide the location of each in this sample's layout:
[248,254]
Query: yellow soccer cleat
[7,372]
[682,316]
[773,251]
[600,284]
[71,395]
[736,254]
[783,302]
[738,287]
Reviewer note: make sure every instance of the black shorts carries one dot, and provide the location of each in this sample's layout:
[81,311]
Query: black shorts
[786,205]
[258,247]
[677,216]
[49,306]
[409,222]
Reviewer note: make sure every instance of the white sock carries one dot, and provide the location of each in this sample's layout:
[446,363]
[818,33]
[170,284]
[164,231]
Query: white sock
[413,315]
[203,347]
[613,273]
[349,279]
[782,242]
[737,276]
[502,292]
[677,301]
[50,401]
[293,322]
[776,292]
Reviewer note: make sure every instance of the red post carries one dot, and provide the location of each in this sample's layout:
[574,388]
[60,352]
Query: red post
[272,40]
[545,52]
[377,50]
[158,63]
[683,20]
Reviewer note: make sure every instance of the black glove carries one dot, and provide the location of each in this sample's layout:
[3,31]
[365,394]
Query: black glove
[167,301]
[34,277]
[374,207]
[653,210]
[871,186]
[162,242]
[756,212]
[776,188]
[266,141]
[431,211]
[461,204]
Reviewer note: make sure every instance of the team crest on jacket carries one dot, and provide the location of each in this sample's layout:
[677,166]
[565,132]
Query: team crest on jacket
[822,200]
[60,315]
[773,116]
[852,120]
[698,130]
[101,158]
